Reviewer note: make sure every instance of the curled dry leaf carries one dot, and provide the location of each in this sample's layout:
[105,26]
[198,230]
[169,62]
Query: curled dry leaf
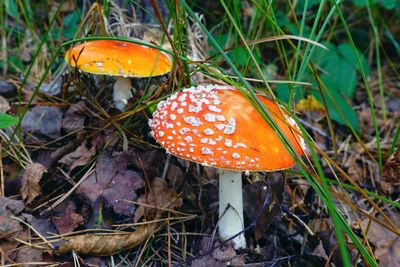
[80,157]
[30,184]
[105,244]
[160,196]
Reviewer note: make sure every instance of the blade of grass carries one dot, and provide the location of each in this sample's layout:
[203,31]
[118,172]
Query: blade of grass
[366,85]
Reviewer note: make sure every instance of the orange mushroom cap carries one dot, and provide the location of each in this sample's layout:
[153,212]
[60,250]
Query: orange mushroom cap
[216,125]
[118,58]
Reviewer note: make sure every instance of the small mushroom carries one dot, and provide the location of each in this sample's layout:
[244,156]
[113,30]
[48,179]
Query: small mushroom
[119,59]
[217,126]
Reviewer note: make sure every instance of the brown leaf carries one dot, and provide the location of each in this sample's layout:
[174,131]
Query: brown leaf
[388,252]
[207,261]
[114,181]
[8,226]
[160,196]
[74,118]
[4,106]
[43,122]
[7,88]
[30,184]
[80,157]
[106,244]
[390,180]
[27,255]
[224,253]
[386,242]
[10,207]
[67,219]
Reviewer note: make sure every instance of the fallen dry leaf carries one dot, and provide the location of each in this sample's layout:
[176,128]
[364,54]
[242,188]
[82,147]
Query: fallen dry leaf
[10,206]
[7,89]
[51,88]
[74,118]
[80,157]
[207,261]
[27,255]
[67,219]
[114,181]
[4,106]
[390,180]
[160,196]
[30,184]
[9,228]
[43,122]
[224,253]
[386,242]
[105,244]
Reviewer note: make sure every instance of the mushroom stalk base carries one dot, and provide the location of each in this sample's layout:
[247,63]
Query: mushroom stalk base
[122,92]
[231,207]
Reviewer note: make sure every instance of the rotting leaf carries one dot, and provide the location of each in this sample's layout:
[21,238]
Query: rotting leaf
[390,180]
[43,122]
[9,228]
[113,180]
[160,196]
[386,242]
[27,254]
[30,184]
[108,244]
[80,157]
[10,207]
[74,118]
[67,219]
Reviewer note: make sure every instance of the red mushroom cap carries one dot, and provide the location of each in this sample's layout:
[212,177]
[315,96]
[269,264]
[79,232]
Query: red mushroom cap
[216,125]
[117,58]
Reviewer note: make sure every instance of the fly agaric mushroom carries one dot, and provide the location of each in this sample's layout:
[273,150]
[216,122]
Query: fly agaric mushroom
[119,59]
[217,126]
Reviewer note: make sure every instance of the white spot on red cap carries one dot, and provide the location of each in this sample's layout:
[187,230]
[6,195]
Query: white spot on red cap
[192,120]
[206,151]
[210,117]
[208,131]
[214,108]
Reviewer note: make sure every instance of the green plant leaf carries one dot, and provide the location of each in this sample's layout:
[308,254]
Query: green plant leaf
[7,120]
[71,22]
[388,4]
[283,92]
[11,8]
[339,68]
[345,109]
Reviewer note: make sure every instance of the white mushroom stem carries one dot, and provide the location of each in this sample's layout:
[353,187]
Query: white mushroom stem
[122,92]
[231,219]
